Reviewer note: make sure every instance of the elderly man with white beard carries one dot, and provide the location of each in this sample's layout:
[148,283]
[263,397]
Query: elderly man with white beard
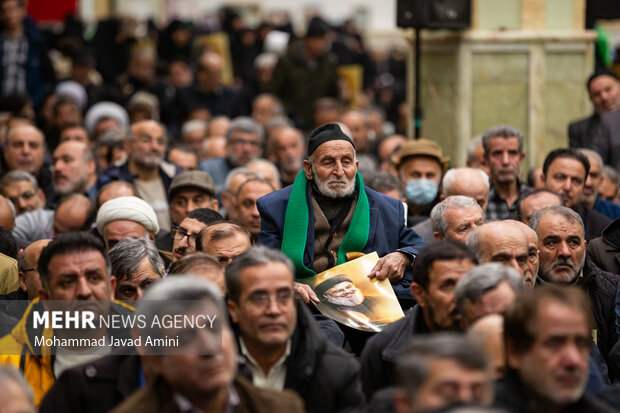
[328,213]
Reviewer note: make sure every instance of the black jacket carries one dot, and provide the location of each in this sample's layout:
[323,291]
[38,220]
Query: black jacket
[605,250]
[383,350]
[93,387]
[325,376]
[593,222]
[511,395]
[601,287]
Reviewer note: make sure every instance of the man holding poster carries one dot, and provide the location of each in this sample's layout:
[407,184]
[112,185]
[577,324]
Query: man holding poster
[328,212]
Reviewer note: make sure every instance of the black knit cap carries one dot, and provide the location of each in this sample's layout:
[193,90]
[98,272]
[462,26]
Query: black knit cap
[317,27]
[601,72]
[323,287]
[324,133]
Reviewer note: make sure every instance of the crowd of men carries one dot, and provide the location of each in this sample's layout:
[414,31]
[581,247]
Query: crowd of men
[142,190]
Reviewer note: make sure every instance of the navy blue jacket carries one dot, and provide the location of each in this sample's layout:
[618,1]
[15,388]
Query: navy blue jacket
[387,233]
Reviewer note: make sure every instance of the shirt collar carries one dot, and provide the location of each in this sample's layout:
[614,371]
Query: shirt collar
[246,353]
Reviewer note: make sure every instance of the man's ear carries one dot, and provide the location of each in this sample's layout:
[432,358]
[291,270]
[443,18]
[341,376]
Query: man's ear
[21,277]
[308,169]
[233,311]
[419,294]
[437,236]
[43,295]
[152,236]
[112,287]
[402,403]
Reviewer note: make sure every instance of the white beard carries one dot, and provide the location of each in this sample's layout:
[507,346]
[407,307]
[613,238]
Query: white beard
[324,189]
[357,299]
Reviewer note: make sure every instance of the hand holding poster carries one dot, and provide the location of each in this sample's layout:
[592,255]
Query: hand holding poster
[348,296]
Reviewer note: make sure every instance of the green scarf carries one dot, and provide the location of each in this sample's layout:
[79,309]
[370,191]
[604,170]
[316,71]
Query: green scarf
[296,226]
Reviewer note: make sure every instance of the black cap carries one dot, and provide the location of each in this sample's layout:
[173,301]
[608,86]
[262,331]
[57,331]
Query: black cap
[317,28]
[603,72]
[324,133]
[323,287]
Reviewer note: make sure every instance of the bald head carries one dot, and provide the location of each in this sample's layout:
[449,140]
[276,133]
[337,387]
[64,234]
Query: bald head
[29,280]
[74,213]
[529,276]
[470,182]
[500,241]
[7,214]
[537,201]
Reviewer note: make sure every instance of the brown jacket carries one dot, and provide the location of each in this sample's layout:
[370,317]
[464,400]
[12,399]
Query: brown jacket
[158,398]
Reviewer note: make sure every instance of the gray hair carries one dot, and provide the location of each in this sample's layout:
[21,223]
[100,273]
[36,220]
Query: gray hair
[415,361]
[384,181]
[455,201]
[9,373]
[567,213]
[274,169]
[471,148]
[245,124]
[278,109]
[255,256]
[594,154]
[483,278]
[178,293]
[501,131]
[237,171]
[15,176]
[128,253]
[193,125]
[473,241]
[451,176]
[611,174]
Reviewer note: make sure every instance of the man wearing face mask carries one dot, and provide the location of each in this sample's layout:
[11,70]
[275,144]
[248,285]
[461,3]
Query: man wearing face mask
[420,166]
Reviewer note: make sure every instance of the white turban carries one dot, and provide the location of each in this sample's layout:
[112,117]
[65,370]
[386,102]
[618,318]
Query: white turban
[128,208]
[74,90]
[104,110]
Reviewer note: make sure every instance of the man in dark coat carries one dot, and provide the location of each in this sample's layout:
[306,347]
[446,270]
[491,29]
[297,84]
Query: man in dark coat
[442,263]
[563,261]
[281,344]
[604,251]
[547,338]
[328,212]
[565,172]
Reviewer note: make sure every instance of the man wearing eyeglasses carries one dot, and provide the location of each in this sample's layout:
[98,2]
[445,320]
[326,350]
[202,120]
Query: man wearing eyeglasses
[186,234]
[244,142]
[281,344]
[145,168]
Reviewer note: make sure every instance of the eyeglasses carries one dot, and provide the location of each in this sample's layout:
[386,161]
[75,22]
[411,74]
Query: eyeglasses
[263,300]
[179,233]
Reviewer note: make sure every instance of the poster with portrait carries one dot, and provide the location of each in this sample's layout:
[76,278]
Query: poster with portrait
[348,296]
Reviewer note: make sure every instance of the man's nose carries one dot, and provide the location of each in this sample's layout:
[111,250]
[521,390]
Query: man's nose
[566,185]
[563,250]
[83,289]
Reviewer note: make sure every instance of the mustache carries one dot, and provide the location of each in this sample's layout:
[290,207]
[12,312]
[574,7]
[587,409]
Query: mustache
[563,261]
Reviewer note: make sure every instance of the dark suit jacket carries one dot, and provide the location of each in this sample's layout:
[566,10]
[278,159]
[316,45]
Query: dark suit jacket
[387,233]
[605,250]
[593,222]
[600,133]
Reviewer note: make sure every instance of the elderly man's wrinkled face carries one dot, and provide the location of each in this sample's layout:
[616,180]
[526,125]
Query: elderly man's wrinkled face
[333,167]
[562,248]
[504,159]
[504,244]
[460,222]
[345,294]
[223,250]
[246,204]
[555,367]
[71,170]
[288,149]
